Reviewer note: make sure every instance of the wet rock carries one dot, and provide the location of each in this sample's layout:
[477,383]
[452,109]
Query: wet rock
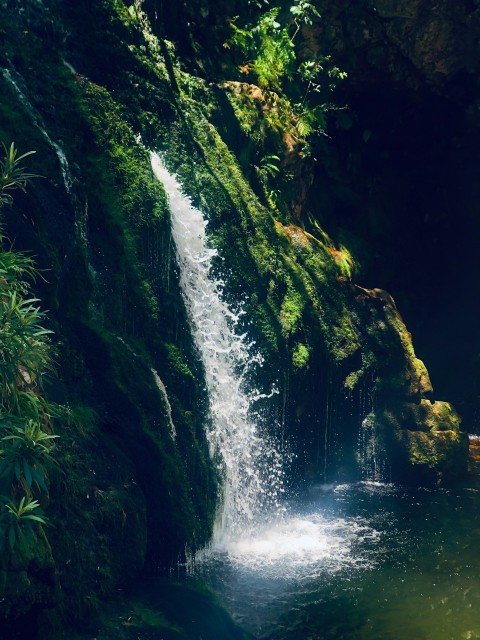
[420,442]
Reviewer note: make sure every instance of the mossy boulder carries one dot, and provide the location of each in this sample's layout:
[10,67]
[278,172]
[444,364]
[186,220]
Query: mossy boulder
[415,438]
[418,442]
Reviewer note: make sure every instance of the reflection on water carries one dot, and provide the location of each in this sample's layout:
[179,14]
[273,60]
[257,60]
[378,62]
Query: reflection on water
[365,562]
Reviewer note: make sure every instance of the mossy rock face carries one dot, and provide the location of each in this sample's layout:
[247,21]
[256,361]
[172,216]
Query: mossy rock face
[427,416]
[161,608]
[129,497]
[27,579]
[177,611]
[420,442]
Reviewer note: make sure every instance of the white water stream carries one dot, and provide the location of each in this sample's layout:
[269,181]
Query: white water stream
[248,457]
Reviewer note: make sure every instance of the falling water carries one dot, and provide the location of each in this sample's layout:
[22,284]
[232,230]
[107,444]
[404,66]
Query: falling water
[168,407]
[64,167]
[160,386]
[249,459]
[371,452]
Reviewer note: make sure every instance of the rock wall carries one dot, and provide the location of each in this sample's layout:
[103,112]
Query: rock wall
[128,496]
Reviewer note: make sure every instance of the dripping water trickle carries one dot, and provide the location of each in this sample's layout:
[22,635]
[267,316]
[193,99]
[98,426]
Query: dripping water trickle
[13,78]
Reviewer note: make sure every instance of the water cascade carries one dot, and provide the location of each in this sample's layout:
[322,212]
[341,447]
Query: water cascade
[249,458]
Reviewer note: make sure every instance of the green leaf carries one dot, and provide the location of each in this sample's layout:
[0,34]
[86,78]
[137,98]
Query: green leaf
[40,481]
[18,472]
[35,518]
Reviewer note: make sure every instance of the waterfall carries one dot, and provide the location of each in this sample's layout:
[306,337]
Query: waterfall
[249,459]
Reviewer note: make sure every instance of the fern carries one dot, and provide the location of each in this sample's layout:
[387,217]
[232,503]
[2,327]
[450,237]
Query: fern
[271,57]
[268,48]
[304,126]
[275,61]
[268,168]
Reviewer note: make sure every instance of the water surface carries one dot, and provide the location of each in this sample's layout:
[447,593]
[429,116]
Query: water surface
[366,561]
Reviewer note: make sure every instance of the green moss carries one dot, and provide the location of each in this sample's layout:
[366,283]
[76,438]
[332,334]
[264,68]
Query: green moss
[432,451]
[94,499]
[291,311]
[158,608]
[422,440]
[177,363]
[352,380]
[300,356]
[143,203]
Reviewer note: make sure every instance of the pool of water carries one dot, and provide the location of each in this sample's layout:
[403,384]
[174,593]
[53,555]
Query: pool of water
[364,561]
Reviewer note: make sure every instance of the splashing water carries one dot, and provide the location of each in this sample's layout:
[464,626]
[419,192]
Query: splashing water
[249,458]
[298,548]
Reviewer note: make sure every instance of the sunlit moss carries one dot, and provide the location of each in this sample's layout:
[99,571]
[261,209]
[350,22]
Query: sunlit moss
[300,356]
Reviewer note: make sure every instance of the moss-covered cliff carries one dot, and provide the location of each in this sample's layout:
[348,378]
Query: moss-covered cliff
[131,495]
[91,86]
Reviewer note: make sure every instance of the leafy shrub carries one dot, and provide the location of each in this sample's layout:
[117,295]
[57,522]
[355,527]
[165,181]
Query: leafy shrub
[16,520]
[25,356]
[12,173]
[296,87]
